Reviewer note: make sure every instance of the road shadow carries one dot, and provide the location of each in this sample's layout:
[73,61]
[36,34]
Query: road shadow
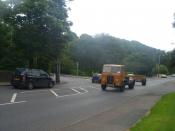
[116,90]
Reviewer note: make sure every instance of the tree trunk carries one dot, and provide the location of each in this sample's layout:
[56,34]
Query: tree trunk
[57,71]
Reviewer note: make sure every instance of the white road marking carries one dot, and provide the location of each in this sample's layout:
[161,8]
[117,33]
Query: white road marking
[56,89]
[94,87]
[68,95]
[76,90]
[53,92]
[36,91]
[83,90]
[12,103]
[13,98]
[33,91]
[91,86]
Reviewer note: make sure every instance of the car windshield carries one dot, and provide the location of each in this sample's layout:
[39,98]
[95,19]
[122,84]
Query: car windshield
[112,69]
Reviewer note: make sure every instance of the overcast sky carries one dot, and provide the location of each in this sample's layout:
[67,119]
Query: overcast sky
[147,21]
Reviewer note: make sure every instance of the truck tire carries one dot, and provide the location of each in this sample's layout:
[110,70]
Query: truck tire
[134,82]
[131,85]
[103,87]
[143,82]
[92,81]
[122,88]
[30,86]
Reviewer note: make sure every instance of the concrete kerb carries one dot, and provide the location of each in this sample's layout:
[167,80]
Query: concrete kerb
[5,84]
[85,77]
[139,120]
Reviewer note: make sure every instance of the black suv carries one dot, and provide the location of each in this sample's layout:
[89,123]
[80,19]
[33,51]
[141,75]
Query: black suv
[30,78]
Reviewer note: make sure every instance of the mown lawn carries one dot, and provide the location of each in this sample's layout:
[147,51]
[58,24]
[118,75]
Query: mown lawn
[161,117]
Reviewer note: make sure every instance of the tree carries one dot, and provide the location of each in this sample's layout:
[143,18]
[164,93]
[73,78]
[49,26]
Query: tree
[172,61]
[38,30]
[6,48]
[172,55]
[163,69]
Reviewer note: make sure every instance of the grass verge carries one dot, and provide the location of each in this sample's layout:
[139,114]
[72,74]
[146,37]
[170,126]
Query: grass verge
[161,117]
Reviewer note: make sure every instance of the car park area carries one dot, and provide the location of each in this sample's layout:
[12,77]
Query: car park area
[16,96]
[76,101]
[69,87]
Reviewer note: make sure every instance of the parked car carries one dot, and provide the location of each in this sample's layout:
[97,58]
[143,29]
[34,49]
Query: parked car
[96,78]
[163,76]
[173,75]
[31,78]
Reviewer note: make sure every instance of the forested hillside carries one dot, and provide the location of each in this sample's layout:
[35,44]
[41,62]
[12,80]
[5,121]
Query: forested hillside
[93,52]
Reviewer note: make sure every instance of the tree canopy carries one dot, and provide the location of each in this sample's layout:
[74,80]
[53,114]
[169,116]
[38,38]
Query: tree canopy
[38,31]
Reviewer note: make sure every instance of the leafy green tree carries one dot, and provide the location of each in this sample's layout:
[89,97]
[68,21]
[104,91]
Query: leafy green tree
[41,28]
[172,55]
[160,69]
[38,30]
[163,69]
[68,65]
[172,61]
[6,47]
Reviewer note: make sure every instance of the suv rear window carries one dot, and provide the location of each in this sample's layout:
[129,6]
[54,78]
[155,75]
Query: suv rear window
[43,73]
[33,72]
[19,71]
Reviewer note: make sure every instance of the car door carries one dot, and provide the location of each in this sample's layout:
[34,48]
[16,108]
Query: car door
[35,77]
[45,79]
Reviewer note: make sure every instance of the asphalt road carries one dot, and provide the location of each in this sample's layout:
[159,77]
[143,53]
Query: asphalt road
[77,104]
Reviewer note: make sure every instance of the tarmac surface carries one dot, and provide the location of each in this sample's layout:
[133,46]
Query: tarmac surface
[76,104]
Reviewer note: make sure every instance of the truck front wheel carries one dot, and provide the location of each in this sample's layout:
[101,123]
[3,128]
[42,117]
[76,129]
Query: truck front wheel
[122,88]
[143,82]
[103,87]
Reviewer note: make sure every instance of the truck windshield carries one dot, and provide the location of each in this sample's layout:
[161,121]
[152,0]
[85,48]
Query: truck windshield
[111,69]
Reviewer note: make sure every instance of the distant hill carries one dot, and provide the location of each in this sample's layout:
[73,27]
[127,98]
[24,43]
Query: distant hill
[93,52]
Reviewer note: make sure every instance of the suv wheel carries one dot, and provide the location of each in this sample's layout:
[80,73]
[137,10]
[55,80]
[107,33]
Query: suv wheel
[51,84]
[15,87]
[30,86]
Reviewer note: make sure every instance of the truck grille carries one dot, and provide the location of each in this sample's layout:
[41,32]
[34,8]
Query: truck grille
[110,79]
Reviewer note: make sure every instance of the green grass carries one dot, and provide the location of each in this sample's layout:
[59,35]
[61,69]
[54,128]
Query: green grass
[161,117]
